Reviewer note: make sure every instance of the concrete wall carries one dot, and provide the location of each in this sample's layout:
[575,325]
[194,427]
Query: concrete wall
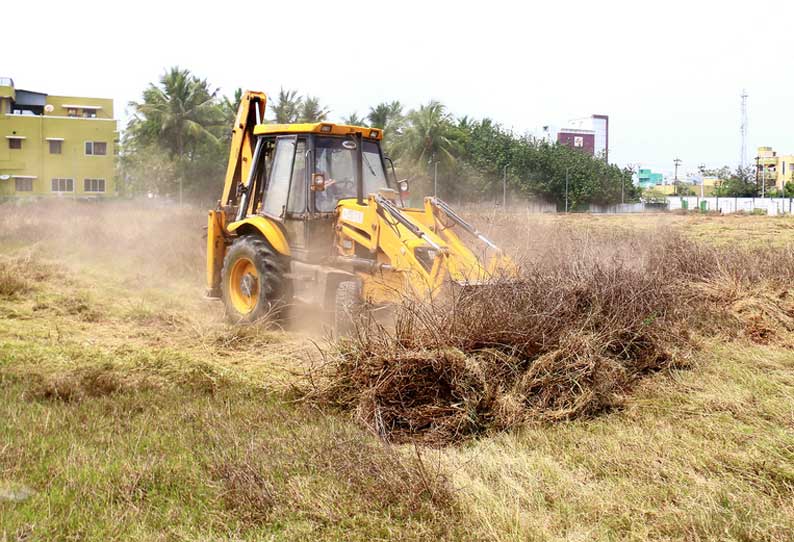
[725,205]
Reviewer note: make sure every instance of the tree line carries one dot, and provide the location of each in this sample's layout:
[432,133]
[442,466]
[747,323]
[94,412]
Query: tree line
[179,133]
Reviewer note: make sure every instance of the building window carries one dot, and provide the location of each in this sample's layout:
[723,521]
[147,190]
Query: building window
[23,185]
[14,143]
[63,185]
[93,185]
[71,112]
[89,113]
[55,147]
[96,148]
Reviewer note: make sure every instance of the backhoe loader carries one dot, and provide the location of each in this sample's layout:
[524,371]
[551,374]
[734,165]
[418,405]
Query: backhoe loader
[314,214]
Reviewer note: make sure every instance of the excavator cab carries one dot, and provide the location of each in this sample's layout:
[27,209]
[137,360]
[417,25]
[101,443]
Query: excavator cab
[309,214]
[299,179]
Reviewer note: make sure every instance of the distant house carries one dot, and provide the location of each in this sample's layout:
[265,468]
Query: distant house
[589,134]
[583,140]
[55,145]
[773,169]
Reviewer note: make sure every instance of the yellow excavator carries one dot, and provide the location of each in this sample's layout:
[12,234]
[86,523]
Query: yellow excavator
[314,214]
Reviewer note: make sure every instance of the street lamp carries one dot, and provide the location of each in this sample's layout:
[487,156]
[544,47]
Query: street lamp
[435,174]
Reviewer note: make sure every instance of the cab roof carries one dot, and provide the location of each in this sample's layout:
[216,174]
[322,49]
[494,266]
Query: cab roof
[319,128]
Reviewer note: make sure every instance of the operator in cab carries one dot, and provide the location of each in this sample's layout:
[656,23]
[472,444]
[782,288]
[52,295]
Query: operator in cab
[335,161]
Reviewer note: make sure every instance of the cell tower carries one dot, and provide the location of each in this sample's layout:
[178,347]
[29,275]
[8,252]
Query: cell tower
[743,156]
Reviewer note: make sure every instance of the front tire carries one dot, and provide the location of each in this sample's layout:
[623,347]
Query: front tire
[253,282]
[348,308]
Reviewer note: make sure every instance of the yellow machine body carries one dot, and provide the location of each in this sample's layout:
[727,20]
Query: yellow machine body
[391,250]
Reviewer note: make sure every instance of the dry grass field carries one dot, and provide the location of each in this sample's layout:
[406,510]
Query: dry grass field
[130,410]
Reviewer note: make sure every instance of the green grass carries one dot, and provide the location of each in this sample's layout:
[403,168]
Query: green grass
[706,455]
[134,412]
[152,444]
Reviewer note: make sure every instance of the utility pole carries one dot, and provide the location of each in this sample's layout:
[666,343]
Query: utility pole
[677,163]
[743,129]
[702,169]
[504,188]
[763,182]
[566,190]
[435,179]
[435,175]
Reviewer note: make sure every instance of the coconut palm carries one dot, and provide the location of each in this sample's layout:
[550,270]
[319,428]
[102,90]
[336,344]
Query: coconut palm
[354,120]
[312,111]
[287,107]
[177,114]
[229,106]
[429,135]
[386,115]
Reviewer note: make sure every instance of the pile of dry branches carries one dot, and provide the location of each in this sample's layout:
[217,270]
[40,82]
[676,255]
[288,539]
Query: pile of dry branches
[569,338]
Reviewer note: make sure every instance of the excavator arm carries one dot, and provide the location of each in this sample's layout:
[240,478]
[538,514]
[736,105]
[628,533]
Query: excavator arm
[235,200]
[249,114]
[418,248]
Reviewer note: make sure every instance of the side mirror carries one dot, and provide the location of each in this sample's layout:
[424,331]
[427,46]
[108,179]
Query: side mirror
[391,165]
[318,182]
[402,186]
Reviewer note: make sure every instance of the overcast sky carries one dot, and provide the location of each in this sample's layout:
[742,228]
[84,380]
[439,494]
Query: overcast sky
[669,74]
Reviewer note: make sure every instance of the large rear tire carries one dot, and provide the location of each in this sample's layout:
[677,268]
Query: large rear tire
[253,282]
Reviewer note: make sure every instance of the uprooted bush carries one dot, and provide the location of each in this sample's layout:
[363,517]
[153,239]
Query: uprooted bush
[569,338]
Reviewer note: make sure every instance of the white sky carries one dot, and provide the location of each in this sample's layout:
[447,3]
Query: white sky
[668,73]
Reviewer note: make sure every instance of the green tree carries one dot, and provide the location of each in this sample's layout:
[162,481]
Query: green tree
[429,136]
[740,183]
[229,106]
[535,168]
[178,114]
[354,120]
[387,116]
[312,111]
[287,107]
[176,141]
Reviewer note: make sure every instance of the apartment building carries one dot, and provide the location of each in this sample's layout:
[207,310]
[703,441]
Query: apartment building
[56,146]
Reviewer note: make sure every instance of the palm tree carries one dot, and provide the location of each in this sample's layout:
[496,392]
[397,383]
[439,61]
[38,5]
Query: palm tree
[354,120]
[312,111]
[429,135]
[386,116]
[177,113]
[287,107]
[229,106]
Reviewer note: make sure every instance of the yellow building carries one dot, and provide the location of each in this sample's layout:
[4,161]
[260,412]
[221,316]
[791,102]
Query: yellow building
[55,145]
[773,169]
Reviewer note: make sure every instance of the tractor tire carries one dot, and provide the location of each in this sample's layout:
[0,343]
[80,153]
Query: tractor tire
[348,308]
[253,281]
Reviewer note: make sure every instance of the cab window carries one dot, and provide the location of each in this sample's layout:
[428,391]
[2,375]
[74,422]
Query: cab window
[335,160]
[280,176]
[299,185]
